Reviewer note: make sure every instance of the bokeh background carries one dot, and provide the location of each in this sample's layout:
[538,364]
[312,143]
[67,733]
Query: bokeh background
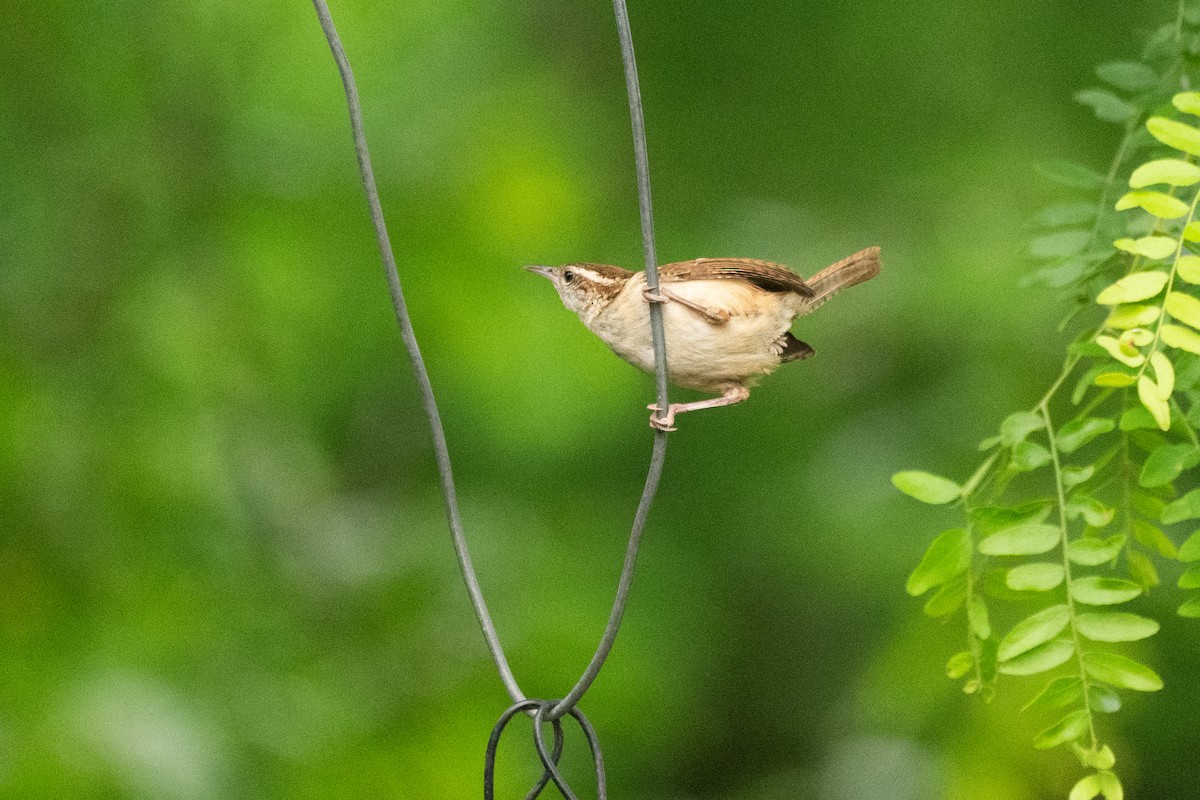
[224,566]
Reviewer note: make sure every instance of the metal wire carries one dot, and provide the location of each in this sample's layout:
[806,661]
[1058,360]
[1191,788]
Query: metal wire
[659,452]
[440,451]
[549,711]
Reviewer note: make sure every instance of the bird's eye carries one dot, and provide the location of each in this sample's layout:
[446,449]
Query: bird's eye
[568,276]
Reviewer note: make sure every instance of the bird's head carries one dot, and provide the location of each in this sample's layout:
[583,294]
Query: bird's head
[586,288]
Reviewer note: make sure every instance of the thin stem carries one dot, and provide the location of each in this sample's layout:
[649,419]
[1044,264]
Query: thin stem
[440,451]
[659,452]
[1062,527]
[1187,426]
[973,640]
[1127,479]
[973,483]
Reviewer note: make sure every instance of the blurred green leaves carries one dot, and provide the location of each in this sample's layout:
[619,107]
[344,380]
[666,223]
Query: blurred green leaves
[926,487]
[1099,536]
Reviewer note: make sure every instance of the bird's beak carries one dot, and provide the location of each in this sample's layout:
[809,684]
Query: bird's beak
[545,272]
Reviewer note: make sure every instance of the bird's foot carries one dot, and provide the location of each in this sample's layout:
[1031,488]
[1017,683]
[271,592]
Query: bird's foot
[662,423]
[651,296]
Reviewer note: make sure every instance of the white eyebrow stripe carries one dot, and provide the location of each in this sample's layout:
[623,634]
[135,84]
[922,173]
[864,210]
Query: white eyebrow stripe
[595,277]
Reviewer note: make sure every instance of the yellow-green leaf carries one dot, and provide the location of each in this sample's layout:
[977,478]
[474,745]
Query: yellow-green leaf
[1097,591]
[1174,133]
[1190,579]
[1110,786]
[959,664]
[1067,729]
[1042,658]
[1153,247]
[1138,286]
[1181,337]
[1184,308]
[1092,552]
[1036,577]
[1171,171]
[1033,631]
[1164,373]
[1122,672]
[1137,315]
[947,557]
[1188,268]
[1104,758]
[927,487]
[1134,338]
[1191,232]
[1187,102]
[1190,549]
[1159,204]
[1156,405]
[1118,380]
[1087,788]
[947,599]
[1115,626]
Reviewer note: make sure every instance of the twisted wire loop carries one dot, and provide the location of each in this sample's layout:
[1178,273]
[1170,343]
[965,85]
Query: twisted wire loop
[550,764]
[489,759]
[549,757]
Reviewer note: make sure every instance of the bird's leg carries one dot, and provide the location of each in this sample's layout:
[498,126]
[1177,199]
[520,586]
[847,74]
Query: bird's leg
[734,394]
[713,316]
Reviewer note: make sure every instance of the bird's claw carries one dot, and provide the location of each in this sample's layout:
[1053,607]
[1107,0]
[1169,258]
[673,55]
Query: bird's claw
[652,296]
[666,423]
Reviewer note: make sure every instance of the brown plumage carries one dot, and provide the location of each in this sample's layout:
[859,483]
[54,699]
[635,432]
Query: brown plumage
[763,274]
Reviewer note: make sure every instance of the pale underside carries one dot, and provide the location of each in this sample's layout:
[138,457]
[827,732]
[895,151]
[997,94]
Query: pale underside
[700,354]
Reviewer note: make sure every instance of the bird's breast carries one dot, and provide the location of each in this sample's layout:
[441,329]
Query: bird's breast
[701,354]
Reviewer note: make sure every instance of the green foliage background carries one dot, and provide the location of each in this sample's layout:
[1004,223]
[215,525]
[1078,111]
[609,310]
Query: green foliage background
[224,568]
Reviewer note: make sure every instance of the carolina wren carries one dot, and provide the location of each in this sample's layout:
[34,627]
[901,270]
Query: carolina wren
[726,320]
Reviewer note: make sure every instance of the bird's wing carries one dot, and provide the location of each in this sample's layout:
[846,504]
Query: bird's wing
[763,274]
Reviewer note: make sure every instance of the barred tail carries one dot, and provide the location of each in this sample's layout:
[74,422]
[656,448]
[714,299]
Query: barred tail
[851,270]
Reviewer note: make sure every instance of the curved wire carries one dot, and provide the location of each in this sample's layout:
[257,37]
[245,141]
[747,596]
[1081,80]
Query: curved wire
[428,402]
[550,764]
[440,451]
[489,758]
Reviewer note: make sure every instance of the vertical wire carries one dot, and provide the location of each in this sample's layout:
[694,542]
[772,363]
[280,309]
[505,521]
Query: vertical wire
[659,452]
[440,450]
[645,205]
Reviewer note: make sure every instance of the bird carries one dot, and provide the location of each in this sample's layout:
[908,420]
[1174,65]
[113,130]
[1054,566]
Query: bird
[726,320]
